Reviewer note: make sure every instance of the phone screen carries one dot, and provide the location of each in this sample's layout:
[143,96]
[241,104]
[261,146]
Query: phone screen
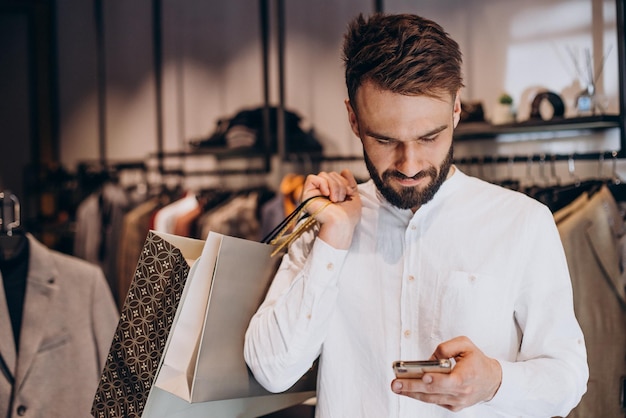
[416,369]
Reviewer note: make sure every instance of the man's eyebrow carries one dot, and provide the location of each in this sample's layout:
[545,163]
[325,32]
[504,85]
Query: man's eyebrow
[428,134]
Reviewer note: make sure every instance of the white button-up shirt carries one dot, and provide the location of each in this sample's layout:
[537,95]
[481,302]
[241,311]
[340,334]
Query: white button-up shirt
[477,260]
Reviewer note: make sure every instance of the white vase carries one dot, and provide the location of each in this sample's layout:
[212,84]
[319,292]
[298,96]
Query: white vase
[502,114]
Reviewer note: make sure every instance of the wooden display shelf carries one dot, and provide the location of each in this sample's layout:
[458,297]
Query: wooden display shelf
[478,130]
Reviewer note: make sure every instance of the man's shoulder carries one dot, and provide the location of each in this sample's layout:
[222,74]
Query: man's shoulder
[496,196]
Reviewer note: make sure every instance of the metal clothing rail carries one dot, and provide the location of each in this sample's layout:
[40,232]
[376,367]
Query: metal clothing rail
[215,172]
[545,162]
[503,159]
[621,68]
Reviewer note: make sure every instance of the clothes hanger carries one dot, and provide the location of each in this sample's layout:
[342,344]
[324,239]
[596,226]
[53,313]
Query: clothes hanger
[560,195]
[616,185]
[13,240]
[532,186]
[556,180]
[510,182]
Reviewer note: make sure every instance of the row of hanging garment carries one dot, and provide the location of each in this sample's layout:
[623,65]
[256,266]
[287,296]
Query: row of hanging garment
[99,218]
[111,225]
[590,217]
[593,233]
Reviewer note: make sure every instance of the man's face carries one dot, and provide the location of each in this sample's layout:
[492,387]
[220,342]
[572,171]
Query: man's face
[407,142]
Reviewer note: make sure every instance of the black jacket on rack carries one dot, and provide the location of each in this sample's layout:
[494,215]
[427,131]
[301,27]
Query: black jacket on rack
[245,130]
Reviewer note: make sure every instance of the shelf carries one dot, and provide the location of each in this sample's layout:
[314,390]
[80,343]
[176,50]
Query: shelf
[478,130]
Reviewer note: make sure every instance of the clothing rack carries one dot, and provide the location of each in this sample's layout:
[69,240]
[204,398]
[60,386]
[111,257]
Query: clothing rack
[600,156]
[112,166]
[541,173]
[216,172]
[107,170]
[274,10]
[264,168]
[292,158]
[621,68]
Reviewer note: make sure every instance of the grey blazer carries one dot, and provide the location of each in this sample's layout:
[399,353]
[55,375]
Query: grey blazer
[68,323]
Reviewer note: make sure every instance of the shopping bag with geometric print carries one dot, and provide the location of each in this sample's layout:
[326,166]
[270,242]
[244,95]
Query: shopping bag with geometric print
[145,322]
[182,329]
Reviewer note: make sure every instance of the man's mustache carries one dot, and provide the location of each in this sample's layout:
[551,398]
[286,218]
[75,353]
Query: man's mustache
[430,172]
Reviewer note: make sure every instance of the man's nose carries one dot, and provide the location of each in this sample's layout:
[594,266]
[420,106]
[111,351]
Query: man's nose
[409,157]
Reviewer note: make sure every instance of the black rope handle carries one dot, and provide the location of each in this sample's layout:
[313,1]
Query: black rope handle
[297,212]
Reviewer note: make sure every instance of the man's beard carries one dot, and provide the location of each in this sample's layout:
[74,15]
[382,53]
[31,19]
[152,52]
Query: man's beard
[410,197]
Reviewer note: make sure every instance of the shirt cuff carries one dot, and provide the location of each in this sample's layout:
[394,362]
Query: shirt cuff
[325,262]
[507,390]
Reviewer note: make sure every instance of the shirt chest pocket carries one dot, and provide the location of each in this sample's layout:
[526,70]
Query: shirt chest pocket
[472,305]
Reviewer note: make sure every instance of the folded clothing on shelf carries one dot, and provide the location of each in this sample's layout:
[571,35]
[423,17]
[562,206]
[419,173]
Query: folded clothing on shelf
[245,130]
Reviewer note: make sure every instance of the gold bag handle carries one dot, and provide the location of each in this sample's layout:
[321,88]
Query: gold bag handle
[279,237]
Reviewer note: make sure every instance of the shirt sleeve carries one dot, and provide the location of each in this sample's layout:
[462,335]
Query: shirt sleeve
[285,335]
[550,374]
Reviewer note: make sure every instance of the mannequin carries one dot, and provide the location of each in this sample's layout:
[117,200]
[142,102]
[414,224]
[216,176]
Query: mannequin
[57,319]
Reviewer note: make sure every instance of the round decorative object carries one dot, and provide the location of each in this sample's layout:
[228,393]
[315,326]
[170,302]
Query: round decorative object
[547,105]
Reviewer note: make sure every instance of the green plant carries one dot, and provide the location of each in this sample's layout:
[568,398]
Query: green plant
[505,99]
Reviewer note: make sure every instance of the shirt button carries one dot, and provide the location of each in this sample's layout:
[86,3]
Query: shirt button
[413,227]
[21,410]
[407,333]
[411,278]
[330,266]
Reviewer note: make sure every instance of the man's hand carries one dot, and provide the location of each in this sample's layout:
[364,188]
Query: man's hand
[339,219]
[475,378]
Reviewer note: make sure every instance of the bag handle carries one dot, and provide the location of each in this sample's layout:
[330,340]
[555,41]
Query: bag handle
[277,235]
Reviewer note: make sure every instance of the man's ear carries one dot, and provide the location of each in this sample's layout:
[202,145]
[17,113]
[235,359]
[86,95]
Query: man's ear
[354,123]
[457,108]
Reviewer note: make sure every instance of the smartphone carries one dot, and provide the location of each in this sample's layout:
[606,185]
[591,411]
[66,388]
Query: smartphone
[416,369]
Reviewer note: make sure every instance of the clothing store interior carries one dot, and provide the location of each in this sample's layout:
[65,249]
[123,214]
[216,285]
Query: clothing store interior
[123,117]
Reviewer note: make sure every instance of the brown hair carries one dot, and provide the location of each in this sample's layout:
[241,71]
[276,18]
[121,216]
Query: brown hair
[403,53]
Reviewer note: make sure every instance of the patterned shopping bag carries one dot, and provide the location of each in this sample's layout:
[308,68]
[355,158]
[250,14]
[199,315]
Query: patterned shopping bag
[146,319]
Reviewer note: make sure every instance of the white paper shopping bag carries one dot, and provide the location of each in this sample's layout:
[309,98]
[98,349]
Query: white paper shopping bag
[178,364]
[203,360]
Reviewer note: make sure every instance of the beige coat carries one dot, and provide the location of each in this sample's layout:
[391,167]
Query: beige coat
[68,323]
[590,239]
